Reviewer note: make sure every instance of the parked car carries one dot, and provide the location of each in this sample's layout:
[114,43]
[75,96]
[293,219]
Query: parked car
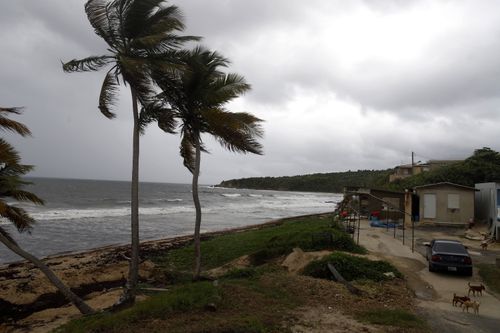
[448,255]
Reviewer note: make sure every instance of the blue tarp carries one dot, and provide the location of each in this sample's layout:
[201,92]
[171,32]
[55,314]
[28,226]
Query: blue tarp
[382,224]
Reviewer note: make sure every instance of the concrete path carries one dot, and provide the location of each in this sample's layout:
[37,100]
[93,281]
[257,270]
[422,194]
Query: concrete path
[433,290]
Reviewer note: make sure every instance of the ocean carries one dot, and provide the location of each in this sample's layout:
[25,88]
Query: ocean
[85,214]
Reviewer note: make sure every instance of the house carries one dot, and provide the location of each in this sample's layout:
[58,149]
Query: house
[388,204]
[407,170]
[487,203]
[443,204]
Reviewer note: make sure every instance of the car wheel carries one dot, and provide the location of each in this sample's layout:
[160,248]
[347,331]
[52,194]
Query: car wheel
[431,269]
[468,272]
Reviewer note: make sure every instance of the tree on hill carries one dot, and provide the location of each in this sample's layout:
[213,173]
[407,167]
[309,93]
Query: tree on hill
[140,35]
[483,166]
[11,184]
[320,182]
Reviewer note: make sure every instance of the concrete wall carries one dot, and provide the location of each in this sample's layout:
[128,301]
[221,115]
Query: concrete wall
[444,214]
[487,207]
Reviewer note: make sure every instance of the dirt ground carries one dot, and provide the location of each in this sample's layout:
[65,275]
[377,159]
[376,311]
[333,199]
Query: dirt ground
[435,290]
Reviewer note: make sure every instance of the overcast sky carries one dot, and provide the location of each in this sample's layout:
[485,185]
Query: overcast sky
[341,85]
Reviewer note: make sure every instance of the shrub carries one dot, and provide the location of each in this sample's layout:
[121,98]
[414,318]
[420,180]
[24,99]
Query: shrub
[241,273]
[351,268]
[343,242]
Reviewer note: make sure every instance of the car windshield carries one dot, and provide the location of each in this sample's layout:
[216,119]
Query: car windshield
[449,247]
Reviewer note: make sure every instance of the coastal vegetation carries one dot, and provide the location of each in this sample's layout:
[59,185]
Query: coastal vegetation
[141,36]
[351,268]
[261,244]
[261,296]
[482,166]
[11,187]
[196,97]
[319,182]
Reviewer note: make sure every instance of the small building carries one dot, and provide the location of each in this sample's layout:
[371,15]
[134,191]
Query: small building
[445,204]
[488,206]
[388,204]
[408,170]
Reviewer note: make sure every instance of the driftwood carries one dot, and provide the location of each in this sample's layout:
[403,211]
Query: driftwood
[341,279]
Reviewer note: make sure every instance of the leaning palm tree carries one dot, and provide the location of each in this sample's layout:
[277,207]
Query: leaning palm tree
[11,171]
[196,98]
[140,35]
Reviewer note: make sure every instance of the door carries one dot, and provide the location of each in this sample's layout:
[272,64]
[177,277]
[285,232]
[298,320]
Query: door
[429,206]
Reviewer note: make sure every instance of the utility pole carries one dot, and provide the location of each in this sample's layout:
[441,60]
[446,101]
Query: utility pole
[412,161]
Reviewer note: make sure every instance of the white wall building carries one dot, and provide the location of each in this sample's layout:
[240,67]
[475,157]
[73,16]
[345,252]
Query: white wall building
[487,204]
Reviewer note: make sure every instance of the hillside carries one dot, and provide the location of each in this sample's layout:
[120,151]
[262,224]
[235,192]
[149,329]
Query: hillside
[482,166]
[319,182]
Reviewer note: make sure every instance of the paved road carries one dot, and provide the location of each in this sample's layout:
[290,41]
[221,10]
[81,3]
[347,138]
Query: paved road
[433,290]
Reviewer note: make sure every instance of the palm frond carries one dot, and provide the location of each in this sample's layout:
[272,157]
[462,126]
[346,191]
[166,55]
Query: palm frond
[107,97]
[18,216]
[165,19]
[14,110]
[226,87]
[88,64]
[103,20]
[237,132]
[160,112]
[136,15]
[8,155]
[21,195]
[12,125]
[161,42]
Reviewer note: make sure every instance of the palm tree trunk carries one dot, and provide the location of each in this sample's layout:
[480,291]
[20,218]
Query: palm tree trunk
[131,287]
[72,297]
[196,200]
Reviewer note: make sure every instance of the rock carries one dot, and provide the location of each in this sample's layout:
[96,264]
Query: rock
[146,269]
[390,275]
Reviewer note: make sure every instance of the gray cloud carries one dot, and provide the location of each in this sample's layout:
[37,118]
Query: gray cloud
[341,85]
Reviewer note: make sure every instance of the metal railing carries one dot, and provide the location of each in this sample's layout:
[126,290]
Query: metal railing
[389,204]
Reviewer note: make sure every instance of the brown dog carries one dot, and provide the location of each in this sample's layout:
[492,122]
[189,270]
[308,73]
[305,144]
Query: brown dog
[484,245]
[476,289]
[471,304]
[459,300]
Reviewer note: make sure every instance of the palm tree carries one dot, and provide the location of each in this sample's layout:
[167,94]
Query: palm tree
[196,97]
[140,35]
[11,171]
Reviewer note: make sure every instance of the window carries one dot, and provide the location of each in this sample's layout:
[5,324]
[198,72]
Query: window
[429,206]
[453,201]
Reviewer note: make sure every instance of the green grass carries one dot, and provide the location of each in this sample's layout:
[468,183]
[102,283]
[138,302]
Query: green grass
[184,298]
[351,268]
[247,299]
[491,276]
[243,305]
[399,318]
[262,244]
